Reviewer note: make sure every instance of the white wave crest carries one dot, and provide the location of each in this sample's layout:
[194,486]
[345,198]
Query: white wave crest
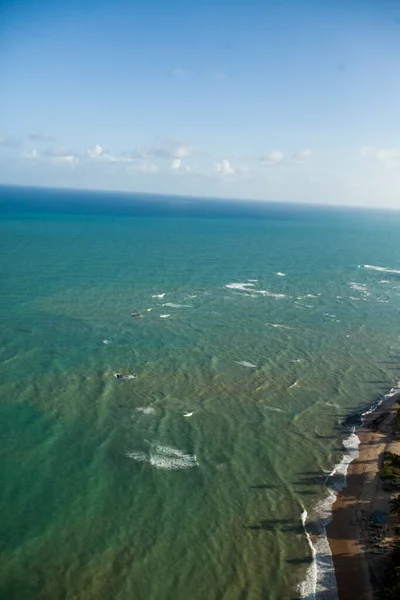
[381,269]
[174,305]
[164,316]
[351,444]
[165,457]
[394,390]
[320,581]
[359,287]
[295,384]
[279,325]
[146,410]
[158,295]
[125,375]
[138,456]
[239,286]
[270,294]
[308,587]
[243,287]
[281,274]
[246,364]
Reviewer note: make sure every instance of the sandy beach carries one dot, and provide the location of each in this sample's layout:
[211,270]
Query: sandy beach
[358,553]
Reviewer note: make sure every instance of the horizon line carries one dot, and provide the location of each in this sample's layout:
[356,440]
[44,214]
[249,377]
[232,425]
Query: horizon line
[206,197]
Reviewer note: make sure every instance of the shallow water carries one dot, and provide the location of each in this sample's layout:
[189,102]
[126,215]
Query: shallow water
[189,480]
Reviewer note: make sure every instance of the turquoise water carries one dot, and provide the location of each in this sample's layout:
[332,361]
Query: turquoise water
[188,480]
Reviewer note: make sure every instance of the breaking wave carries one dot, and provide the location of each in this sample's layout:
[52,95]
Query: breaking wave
[244,363]
[380,269]
[165,457]
[243,287]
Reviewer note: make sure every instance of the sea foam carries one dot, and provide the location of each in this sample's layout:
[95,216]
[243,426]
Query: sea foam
[320,581]
[165,457]
[244,363]
[243,287]
[270,294]
[175,305]
[146,410]
[380,269]
[359,287]
[279,326]
[240,286]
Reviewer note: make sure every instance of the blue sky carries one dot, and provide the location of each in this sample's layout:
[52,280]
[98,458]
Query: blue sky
[273,100]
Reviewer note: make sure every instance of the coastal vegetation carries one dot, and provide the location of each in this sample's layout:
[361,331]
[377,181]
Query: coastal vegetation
[390,472]
[391,586]
[391,469]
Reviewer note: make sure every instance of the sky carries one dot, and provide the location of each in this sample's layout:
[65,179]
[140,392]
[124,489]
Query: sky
[283,100]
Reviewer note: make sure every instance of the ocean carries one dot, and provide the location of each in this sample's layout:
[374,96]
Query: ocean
[191,451]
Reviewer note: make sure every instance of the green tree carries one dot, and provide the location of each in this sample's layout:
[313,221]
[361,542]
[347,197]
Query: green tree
[394,505]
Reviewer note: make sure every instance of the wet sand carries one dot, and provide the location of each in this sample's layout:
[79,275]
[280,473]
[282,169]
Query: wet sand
[357,554]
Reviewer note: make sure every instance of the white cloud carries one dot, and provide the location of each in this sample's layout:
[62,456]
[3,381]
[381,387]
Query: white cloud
[96,152]
[59,156]
[302,156]
[41,137]
[144,167]
[126,157]
[176,164]
[182,151]
[32,155]
[58,152]
[275,157]
[177,151]
[224,168]
[170,149]
[389,157]
[68,159]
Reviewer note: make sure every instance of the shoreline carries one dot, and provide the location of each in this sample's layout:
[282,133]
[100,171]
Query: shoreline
[357,555]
